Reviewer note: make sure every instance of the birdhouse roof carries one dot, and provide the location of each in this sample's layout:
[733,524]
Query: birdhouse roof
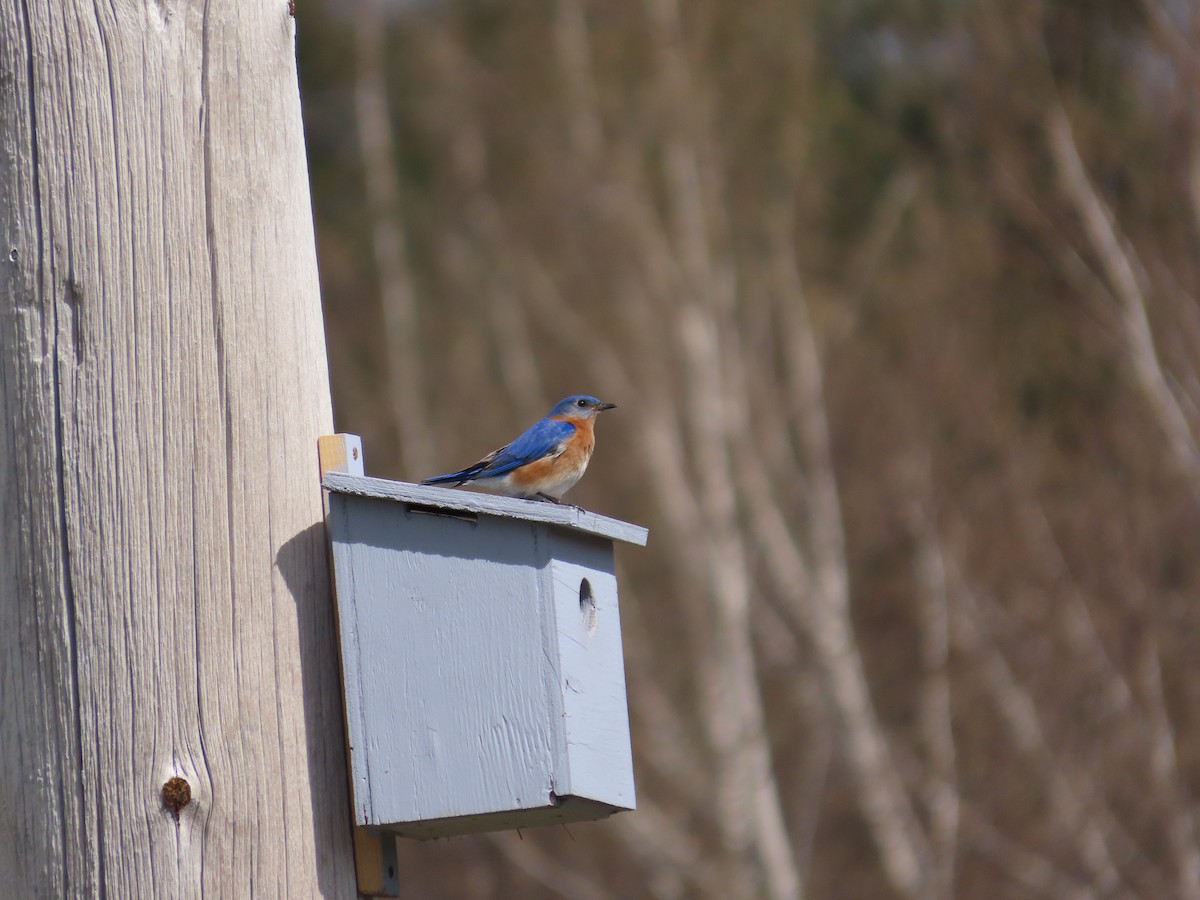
[453,501]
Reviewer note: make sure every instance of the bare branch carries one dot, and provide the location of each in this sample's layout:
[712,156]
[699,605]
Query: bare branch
[573,49]
[941,787]
[751,813]
[818,590]
[565,881]
[677,862]
[1125,273]
[1034,871]
[1019,713]
[1181,824]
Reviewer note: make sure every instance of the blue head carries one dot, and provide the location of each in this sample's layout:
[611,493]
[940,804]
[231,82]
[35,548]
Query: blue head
[579,406]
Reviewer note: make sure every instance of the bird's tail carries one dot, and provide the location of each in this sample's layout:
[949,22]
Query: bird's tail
[453,478]
[456,478]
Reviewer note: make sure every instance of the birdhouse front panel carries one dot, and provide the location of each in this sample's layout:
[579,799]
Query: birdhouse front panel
[481,659]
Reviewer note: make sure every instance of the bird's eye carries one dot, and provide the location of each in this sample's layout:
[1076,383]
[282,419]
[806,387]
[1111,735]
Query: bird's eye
[581,403]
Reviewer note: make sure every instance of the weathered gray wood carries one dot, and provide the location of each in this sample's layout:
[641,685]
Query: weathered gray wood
[484,679]
[163,587]
[451,499]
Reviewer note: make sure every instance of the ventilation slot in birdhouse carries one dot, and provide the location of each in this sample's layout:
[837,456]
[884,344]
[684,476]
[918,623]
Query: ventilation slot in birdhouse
[418,509]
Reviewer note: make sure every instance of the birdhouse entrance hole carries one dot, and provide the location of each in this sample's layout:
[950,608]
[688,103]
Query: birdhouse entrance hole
[587,605]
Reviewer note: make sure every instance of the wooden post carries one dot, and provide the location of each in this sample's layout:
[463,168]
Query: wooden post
[374,851]
[170,719]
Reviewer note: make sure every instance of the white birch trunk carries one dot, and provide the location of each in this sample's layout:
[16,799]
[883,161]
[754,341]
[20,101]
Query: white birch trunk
[164,602]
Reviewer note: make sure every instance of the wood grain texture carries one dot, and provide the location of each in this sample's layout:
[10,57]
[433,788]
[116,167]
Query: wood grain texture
[163,589]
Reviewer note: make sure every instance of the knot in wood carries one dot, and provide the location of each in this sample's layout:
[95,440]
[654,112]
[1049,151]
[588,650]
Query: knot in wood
[176,794]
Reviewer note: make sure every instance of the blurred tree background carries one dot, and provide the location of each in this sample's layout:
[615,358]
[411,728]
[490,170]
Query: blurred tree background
[898,299]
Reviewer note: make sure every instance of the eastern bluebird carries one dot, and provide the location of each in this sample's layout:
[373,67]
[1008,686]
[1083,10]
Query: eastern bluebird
[546,461]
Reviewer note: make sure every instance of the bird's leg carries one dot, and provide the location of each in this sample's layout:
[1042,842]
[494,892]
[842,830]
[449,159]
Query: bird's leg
[559,502]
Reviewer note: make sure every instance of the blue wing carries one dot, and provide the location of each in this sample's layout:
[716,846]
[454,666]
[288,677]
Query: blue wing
[544,439]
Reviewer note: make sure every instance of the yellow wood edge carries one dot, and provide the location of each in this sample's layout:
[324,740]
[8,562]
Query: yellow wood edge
[374,863]
[333,452]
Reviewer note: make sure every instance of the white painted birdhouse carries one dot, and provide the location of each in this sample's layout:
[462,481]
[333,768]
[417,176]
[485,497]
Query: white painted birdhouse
[481,658]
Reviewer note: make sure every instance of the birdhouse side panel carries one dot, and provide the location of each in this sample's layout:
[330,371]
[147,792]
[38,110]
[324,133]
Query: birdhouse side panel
[445,657]
[582,581]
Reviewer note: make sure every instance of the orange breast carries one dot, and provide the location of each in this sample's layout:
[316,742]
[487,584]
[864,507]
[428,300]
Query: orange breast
[568,466]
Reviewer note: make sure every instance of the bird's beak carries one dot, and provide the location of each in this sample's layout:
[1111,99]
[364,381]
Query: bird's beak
[603,406]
